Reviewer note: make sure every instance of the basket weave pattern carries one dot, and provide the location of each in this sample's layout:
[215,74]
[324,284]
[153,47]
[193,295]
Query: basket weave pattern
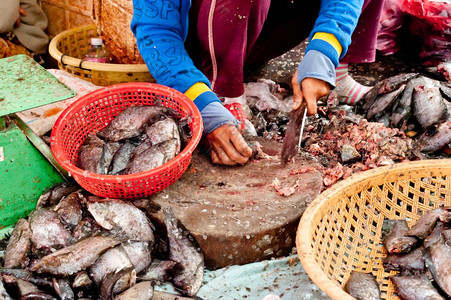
[69,48]
[94,111]
[341,229]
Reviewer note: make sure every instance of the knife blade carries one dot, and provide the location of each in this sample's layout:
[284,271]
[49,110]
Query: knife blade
[292,139]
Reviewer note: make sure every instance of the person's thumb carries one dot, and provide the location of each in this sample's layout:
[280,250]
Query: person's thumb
[297,93]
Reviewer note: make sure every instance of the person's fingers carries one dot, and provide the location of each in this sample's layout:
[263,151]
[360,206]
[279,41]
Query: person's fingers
[214,157]
[297,93]
[224,158]
[231,144]
[22,11]
[240,144]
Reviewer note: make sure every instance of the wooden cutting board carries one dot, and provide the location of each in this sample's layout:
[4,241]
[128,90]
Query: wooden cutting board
[234,213]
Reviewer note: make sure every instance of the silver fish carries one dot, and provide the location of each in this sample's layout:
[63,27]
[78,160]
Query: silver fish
[76,257]
[48,232]
[22,287]
[428,106]
[139,253]
[18,247]
[415,288]
[129,123]
[412,261]
[108,151]
[121,158]
[53,195]
[81,280]
[63,289]
[394,237]
[141,291]
[383,102]
[424,226]
[87,227]
[362,286]
[184,249]
[162,131]
[435,139]
[160,271]
[438,261]
[123,220]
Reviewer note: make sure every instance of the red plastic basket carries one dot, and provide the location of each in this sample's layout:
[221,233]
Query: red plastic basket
[94,111]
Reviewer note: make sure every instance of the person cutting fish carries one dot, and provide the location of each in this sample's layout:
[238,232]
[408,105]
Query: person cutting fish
[200,47]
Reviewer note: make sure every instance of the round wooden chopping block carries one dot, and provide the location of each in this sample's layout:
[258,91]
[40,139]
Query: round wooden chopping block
[234,213]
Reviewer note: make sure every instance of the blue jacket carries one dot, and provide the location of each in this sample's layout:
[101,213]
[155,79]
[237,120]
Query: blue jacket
[161,27]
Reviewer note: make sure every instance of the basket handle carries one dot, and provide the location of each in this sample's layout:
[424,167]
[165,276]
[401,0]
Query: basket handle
[79,65]
[62,56]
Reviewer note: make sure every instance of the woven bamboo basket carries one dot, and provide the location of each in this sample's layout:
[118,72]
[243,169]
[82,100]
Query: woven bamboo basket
[69,48]
[341,229]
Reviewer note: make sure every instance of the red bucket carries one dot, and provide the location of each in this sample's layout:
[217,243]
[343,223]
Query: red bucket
[94,111]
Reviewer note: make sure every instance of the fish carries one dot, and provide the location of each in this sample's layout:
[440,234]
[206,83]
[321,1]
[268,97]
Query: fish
[446,91]
[435,139]
[19,246]
[53,195]
[108,151]
[167,296]
[436,234]
[26,275]
[63,289]
[90,154]
[394,237]
[162,131]
[424,226]
[383,103]
[428,106]
[86,227]
[184,249]
[74,258]
[160,271]
[110,262]
[3,293]
[121,158]
[446,233]
[81,280]
[106,289]
[438,260]
[139,253]
[24,289]
[48,232]
[123,220]
[69,209]
[415,288]
[141,291]
[362,286]
[402,110]
[412,261]
[153,157]
[393,83]
[349,153]
[130,122]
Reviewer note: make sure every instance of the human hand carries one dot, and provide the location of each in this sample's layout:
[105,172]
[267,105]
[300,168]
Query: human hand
[312,90]
[22,12]
[228,146]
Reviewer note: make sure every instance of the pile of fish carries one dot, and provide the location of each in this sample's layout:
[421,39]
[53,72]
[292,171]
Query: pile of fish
[421,255]
[138,139]
[78,246]
[414,103]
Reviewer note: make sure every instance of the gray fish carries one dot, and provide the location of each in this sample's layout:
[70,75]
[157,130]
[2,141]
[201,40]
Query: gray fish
[428,106]
[87,227]
[69,209]
[383,102]
[139,253]
[48,232]
[160,271]
[167,296]
[123,220]
[362,286]
[424,226]
[393,83]
[63,289]
[22,287]
[153,157]
[3,293]
[141,291]
[412,261]
[403,107]
[162,131]
[447,236]
[415,288]
[90,154]
[111,262]
[446,91]
[27,276]
[81,280]
[121,158]
[437,234]
[438,260]
[106,289]
[53,195]
[129,123]
[108,151]
[394,237]
[18,247]
[76,257]
[435,139]
[184,249]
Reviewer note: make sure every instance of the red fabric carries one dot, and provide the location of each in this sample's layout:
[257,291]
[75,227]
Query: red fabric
[238,112]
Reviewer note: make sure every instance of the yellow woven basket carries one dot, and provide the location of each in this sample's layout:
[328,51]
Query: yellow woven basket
[341,229]
[70,46]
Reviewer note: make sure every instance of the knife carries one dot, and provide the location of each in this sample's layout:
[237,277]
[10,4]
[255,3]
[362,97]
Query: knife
[293,134]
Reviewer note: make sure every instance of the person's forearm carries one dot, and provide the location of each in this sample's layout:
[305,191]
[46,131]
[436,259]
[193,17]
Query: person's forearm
[10,13]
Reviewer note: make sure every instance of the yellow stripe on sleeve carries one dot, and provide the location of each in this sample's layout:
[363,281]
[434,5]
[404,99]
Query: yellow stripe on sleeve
[196,89]
[329,38]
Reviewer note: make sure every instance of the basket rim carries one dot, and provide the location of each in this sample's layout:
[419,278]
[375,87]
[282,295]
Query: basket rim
[304,231]
[80,103]
[76,62]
